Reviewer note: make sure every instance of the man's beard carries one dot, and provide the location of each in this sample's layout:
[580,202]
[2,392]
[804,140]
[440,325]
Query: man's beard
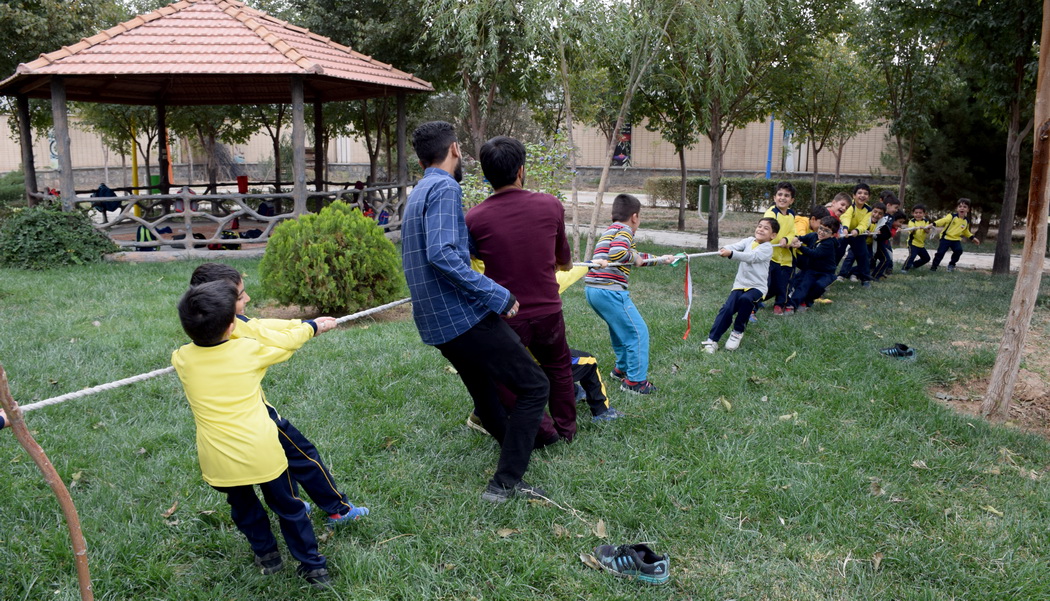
[457,173]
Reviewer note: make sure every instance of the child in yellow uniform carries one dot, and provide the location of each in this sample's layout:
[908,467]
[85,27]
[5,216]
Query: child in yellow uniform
[919,227]
[237,444]
[954,227]
[783,257]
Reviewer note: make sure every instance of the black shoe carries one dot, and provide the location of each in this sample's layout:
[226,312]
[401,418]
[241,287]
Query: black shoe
[634,561]
[271,563]
[899,351]
[616,374]
[495,493]
[317,577]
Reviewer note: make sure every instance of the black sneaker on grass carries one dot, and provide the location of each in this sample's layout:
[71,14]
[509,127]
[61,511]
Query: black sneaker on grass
[643,387]
[899,351]
[616,374]
[271,563]
[495,493]
[317,577]
[634,561]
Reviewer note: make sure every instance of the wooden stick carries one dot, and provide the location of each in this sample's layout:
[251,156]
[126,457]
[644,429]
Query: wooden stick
[76,535]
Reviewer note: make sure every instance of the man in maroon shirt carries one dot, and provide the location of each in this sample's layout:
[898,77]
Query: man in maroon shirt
[520,235]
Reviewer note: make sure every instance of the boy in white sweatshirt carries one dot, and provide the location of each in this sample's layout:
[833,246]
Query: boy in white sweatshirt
[749,286]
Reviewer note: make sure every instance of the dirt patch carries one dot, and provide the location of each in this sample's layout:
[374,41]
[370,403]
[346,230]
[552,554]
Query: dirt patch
[275,311]
[1030,409]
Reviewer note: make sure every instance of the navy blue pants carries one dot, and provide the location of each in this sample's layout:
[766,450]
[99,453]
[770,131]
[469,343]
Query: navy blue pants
[491,353]
[858,251]
[307,469]
[883,260]
[585,371]
[942,248]
[913,252]
[248,513]
[809,286]
[779,278]
[740,303]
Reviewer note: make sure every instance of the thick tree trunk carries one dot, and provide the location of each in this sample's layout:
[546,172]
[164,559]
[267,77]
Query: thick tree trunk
[996,403]
[816,174]
[682,201]
[25,132]
[716,174]
[1012,178]
[564,63]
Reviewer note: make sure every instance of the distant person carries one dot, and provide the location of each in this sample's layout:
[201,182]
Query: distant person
[458,310]
[920,228]
[954,227]
[855,220]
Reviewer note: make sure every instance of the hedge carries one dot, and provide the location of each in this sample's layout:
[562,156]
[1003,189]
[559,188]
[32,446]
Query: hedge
[748,194]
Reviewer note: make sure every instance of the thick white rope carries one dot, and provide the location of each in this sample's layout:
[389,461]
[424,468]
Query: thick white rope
[167,370]
[647,261]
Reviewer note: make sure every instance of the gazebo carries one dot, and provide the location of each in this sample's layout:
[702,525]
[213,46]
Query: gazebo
[205,52]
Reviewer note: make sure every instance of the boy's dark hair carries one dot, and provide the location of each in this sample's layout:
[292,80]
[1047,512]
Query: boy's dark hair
[819,212]
[899,216]
[861,186]
[212,272]
[890,198]
[773,224]
[432,141]
[785,186]
[919,207]
[207,310]
[501,157]
[832,223]
[625,205]
[965,201]
[843,196]
[880,206]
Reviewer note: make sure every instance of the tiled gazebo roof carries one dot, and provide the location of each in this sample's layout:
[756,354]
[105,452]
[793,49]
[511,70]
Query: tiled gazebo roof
[208,52]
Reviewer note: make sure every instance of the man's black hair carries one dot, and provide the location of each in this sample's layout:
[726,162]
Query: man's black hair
[211,272]
[625,205]
[432,141]
[207,310]
[861,186]
[785,186]
[501,157]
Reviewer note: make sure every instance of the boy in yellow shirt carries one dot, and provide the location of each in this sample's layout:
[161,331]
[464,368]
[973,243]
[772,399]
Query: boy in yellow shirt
[920,228]
[783,256]
[953,228]
[237,444]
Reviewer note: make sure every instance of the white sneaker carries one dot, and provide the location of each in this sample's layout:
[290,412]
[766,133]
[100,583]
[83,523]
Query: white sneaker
[854,278]
[734,340]
[710,346]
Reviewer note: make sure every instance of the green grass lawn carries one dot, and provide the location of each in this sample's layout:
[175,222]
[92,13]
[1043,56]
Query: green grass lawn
[803,466]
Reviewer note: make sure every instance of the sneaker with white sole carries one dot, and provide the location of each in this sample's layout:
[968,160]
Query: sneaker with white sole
[710,346]
[474,423]
[733,342]
[634,561]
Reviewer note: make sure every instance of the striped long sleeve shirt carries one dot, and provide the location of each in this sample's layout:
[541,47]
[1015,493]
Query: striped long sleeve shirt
[616,246]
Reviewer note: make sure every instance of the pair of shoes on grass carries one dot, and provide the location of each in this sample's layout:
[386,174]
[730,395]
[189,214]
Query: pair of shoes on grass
[634,561]
[494,493]
[271,563]
[732,343]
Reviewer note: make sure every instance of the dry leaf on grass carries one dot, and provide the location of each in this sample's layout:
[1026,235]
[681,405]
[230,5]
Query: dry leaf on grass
[450,369]
[764,399]
[507,532]
[919,464]
[725,404]
[171,510]
[876,488]
[992,510]
[876,561]
[788,416]
[791,356]
[599,529]
[590,561]
[561,531]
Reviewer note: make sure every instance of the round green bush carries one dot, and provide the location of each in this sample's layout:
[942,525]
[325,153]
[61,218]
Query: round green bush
[337,260]
[41,238]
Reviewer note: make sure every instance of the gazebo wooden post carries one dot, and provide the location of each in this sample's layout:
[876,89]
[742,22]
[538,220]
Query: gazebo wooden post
[25,132]
[162,148]
[402,157]
[60,113]
[319,150]
[298,146]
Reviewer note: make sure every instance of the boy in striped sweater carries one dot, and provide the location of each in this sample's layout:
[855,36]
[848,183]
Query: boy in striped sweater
[607,293]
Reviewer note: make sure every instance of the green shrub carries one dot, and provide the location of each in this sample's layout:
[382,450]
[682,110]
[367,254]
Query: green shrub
[41,238]
[749,194]
[337,261]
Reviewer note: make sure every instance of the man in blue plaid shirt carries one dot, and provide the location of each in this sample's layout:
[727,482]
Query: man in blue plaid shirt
[457,310]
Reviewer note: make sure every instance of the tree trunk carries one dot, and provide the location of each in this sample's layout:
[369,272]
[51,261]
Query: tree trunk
[25,132]
[903,163]
[572,147]
[816,173]
[838,161]
[276,139]
[1001,263]
[996,404]
[682,201]
[65,501]
[714,197]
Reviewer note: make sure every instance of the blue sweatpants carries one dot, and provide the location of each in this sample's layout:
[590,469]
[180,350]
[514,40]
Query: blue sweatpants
[627,329]
[307,469]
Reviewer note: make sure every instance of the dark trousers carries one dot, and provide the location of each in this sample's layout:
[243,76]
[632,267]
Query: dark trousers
[585,371]
[740,303]
[809,286]
[545,338]
[857,250]
[250,517]
[883,261]
[913,252]
[942,248]
[307,469]
[491,353]
[779,278]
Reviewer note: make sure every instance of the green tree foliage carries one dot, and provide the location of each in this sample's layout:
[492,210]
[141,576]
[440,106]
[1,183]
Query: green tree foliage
[120,126]
[210,125]
[43,237]
[546,170]
[337,260]
[836,107]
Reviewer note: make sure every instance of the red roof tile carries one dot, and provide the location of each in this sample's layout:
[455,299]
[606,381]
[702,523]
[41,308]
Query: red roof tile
[208,52]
